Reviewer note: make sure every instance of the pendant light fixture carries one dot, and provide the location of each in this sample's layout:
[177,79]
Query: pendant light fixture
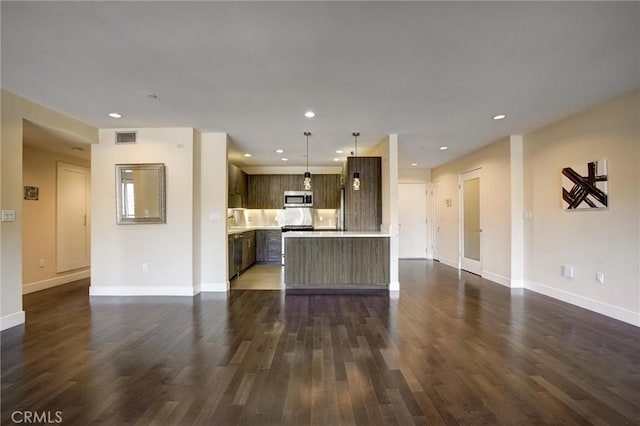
[355,183]
[307,175]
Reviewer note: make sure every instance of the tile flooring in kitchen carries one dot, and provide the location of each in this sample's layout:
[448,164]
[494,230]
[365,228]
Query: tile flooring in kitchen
[260,277]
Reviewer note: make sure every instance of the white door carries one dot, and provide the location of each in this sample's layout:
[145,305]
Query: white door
[470,229]
[72,217]
[412,200]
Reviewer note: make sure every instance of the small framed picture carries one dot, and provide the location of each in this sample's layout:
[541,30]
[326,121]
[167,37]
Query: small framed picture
[30,192]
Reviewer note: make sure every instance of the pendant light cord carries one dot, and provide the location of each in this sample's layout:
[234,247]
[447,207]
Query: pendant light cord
[307,134]
[355,135]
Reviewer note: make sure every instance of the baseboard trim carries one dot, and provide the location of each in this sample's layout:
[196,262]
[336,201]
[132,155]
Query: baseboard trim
[449,262]
[56,281]
[517,284]
[11,320]
[214,287]
[615,312]
[497,278]
[141,291]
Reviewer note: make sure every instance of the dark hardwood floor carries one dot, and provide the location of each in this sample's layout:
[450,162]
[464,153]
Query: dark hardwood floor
[450,349]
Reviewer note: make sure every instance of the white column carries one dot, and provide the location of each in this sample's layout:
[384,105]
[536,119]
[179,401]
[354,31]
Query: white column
[210,251]
[394,283]
[517,211]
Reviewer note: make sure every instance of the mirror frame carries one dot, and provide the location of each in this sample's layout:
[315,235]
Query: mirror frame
[159,168]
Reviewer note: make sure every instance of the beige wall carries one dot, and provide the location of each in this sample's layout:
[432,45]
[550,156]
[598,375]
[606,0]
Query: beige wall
[494,164]
[414,175]
[591,241]
[39,219]
[119,251]
[605,241]
[15,109]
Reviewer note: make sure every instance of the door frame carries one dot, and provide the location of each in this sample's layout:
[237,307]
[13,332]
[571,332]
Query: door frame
[469,265]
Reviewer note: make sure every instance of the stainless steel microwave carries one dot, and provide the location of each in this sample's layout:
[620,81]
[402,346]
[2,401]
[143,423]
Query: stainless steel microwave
[298,199]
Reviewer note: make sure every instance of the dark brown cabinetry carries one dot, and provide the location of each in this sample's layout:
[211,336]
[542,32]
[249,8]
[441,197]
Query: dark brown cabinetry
[237,186]
[363,209]
[248,249]
[326,191]
[269,246]
[267,191]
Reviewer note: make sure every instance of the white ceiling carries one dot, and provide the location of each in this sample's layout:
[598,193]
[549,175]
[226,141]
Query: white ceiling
[433,72]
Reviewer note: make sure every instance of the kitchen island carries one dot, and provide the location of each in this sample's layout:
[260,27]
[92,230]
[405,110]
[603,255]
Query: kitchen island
[336,261]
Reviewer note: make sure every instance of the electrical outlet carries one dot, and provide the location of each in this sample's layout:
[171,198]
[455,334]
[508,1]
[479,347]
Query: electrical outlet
[145,267]
[41,263]
[600,277]
[567,271]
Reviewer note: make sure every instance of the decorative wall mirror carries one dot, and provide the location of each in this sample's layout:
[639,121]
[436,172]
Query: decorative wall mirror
[140,193]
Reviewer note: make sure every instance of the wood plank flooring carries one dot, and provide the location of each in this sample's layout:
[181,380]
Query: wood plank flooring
[450,349]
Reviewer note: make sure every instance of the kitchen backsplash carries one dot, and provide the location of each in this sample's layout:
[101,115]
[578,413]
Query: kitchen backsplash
[253,217]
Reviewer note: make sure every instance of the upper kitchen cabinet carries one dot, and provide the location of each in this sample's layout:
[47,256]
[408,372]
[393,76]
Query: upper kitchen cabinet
[238,186]
[326,191]
[363,208]
[267,191]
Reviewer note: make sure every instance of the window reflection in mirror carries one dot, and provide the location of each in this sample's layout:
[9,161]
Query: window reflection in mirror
[140,193]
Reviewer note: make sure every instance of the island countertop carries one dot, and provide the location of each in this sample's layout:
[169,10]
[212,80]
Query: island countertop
[336,261]
[335,234]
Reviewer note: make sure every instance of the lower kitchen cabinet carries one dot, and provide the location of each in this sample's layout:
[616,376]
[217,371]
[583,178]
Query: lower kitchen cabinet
[269,246]
[248,249]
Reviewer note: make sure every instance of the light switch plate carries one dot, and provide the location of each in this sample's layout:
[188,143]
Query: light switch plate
[567,271]
[8,215]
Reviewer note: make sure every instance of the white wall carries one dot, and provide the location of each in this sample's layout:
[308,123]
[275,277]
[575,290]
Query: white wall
[591,241]
[119,251]
[15,109]
[495,211]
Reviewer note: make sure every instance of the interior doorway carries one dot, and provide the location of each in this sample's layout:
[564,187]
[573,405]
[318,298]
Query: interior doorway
[56,207]
[412,238]
[470,223]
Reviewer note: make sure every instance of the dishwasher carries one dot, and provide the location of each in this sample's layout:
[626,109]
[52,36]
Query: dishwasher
[231,270]
[235,255]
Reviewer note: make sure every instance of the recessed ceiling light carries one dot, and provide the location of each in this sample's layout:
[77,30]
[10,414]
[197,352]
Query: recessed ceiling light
[284,159]
[309,114]
[444,148]
[115,115]
[499,117]
[339,151]
[279,151]
[336,159]
[247,155]
[414,164]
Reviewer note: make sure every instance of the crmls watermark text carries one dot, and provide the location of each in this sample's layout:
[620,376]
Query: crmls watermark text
[42,417]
